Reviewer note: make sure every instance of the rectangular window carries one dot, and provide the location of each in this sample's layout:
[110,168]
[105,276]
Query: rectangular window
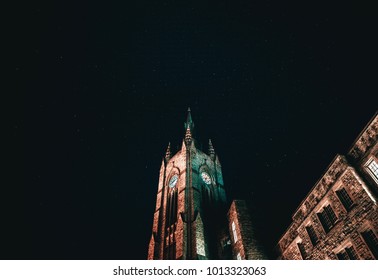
[331,215]
[234,232]
[347,254]
[351,253]
[373,167]
[312,234]
[372,242]
[344,198]
[327,218]
[342,255]
[302,250]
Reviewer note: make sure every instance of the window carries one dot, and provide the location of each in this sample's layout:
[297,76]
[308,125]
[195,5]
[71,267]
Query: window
[327,218]
[371,241]
[347,254]
[312,234]
[234,232]
[373,167]
[171,210]
[302,250]
[342,255]
[238,257]
[344,198]
[351,253]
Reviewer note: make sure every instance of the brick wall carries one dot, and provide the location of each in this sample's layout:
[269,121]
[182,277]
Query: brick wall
[246,245]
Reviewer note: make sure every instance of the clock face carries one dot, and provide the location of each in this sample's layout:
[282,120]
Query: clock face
[206,178]
[173,181]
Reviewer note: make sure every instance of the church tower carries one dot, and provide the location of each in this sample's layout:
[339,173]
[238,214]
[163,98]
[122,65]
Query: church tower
[190,218]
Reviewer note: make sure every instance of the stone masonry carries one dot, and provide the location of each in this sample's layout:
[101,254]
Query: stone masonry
[338,219]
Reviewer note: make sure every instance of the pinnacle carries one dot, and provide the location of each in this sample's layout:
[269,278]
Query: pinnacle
[168,152]
[211,148]
[189,122]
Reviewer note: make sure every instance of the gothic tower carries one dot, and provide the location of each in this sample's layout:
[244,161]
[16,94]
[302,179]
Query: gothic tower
[190,218]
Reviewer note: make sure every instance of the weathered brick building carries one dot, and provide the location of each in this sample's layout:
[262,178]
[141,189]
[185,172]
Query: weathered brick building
[338,219]
[190,218]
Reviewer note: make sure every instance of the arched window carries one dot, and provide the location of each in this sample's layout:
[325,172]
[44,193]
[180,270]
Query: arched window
[171,211]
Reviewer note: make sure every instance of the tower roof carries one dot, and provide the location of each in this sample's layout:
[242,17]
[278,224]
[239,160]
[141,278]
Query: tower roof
[189,122]
[188,125]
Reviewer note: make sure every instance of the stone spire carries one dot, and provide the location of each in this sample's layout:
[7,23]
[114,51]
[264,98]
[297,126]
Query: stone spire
[189,122]
[211,150]
[168,153]
[189,125]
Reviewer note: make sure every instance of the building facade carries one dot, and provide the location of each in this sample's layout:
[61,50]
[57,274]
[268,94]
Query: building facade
[338,219]
[190,218]
[244,244]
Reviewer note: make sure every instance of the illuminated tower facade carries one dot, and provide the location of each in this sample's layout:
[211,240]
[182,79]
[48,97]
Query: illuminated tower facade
[190,217]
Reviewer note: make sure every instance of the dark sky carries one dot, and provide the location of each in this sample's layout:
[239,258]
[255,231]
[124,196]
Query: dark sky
[279,89]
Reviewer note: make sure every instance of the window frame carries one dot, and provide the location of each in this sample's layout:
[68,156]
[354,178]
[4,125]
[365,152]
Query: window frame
[314,238]
[327,217]
[348,253]
[302,250]
[372,160]
[373,250]
[340,193]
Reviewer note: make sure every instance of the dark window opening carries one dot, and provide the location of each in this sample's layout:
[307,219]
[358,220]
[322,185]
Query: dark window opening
[327,218]
[345,199]
[348,254]
[302,250]
[312,234]
[342,255]
[351,253]
[371,241]
[171,211]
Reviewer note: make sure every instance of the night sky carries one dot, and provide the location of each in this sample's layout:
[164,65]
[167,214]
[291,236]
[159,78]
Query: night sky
[105,86]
